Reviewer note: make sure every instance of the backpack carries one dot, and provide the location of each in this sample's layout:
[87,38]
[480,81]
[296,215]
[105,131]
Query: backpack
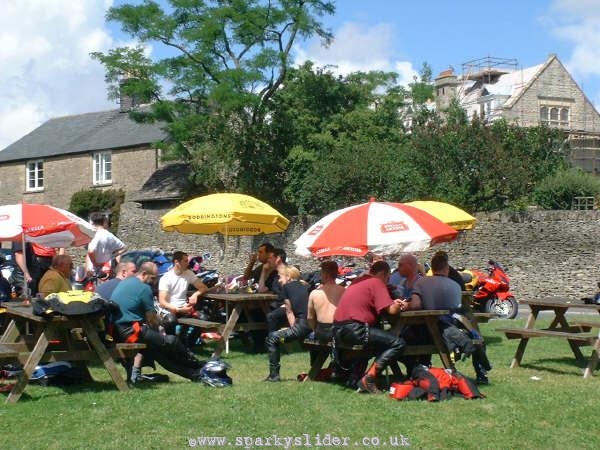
[214,374]
[72,303]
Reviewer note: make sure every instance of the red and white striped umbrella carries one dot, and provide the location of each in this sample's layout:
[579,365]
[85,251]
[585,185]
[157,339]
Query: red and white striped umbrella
[379,227]
[44,225]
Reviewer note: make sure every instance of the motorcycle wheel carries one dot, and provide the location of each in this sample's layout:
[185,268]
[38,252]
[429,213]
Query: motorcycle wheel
[504,309]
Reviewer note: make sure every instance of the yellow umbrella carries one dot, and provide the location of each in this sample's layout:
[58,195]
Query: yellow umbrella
[447,213]
[227,213]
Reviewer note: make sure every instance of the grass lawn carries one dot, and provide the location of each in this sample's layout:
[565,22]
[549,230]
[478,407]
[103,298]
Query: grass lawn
[545,404]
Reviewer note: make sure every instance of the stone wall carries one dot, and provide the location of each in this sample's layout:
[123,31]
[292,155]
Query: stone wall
[545,252]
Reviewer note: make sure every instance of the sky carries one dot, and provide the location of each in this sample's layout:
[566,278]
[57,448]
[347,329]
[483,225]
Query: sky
[46,70]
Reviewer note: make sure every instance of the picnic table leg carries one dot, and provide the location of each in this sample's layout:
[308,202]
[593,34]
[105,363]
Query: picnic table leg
[592,363]
[529,324]
[34,358]
[519,353]
[434,331]
[560,319]
[229,326]
[10,334]
[100,349]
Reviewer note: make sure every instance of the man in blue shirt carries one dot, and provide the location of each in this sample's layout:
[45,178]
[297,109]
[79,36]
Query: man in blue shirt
[124,270]
[137,321]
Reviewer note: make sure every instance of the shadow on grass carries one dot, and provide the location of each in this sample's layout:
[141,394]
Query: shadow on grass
[540,364]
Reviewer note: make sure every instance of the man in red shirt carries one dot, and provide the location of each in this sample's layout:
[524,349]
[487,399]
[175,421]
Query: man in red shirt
[356,315]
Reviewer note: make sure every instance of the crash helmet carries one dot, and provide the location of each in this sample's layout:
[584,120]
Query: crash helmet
[214,373]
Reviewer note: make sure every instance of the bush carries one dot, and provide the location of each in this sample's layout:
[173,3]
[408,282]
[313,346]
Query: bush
[87,201]
[558,190]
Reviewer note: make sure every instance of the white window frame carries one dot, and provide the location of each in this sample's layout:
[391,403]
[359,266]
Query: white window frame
[554,115]
[102,168]
[34,171]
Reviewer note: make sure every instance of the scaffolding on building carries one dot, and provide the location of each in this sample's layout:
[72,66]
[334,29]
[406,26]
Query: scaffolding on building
[488,68]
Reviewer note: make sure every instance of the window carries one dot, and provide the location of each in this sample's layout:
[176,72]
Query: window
[35,176]
[102,168]
[554,115]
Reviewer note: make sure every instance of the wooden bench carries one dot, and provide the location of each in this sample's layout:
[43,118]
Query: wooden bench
[217,326]
[125,350]
[586,325]
[481,317]
[570,334]
[323,351]
[202,324]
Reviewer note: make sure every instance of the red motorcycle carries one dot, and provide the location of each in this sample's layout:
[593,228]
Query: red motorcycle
[491,292]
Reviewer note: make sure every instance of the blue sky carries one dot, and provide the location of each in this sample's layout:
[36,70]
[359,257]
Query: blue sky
[47,72]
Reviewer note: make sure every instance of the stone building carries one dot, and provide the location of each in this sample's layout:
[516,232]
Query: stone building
[493,88]
[103,150]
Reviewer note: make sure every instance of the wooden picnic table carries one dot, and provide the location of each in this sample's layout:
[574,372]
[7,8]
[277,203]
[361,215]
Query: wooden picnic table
[575,333]
[235,304]
[429,318]
[33,339]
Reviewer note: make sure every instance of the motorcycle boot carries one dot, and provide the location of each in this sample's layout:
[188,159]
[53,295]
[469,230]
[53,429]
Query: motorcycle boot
[273,373]
[368,382]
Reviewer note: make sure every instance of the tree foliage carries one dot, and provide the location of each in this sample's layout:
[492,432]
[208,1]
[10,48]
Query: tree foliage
[87,201]
[304,139]
[557,191]
[225,60]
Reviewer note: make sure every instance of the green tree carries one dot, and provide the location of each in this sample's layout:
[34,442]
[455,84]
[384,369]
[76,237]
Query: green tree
[225,60]
[421,89]
[342,134]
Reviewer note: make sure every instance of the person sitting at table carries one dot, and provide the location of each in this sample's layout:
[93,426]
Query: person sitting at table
[123,270]
[295,305]
[270,279]
[261,255]
[356,316]
[173,294]
[137,321]
[408,274]
[57,278]
[441,292]
[252,275]
[322,302]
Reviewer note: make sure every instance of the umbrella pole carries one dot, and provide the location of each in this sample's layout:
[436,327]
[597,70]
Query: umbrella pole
[25,286]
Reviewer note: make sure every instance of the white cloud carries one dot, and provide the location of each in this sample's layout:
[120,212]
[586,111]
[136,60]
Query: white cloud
[46,68]
[358,47]
[578,22]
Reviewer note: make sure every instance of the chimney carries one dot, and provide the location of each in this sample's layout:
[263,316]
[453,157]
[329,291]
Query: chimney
[126,102]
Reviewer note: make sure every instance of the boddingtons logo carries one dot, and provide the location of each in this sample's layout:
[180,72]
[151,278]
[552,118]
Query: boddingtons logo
[210,216]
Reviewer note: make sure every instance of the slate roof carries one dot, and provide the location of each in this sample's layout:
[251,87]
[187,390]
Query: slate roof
[80,133]
[167,183]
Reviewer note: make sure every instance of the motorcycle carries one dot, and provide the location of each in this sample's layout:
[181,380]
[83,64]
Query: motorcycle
[491,292]
[347,272]
[82,280]
[11,277]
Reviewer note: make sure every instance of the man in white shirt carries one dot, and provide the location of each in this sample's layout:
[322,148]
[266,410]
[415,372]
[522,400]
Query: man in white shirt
[173,292]
[103,247]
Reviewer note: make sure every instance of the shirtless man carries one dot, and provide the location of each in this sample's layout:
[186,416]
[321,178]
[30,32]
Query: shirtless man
[322,302]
